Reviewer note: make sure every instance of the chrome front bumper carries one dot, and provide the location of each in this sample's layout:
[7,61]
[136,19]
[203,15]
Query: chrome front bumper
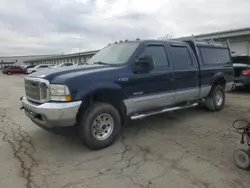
[51,114]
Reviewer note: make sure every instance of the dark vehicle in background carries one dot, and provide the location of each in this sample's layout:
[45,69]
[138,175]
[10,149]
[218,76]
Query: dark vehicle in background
[132,79]
[13,70]
[241,66]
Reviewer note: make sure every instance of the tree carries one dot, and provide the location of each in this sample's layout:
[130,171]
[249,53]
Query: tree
[166,37]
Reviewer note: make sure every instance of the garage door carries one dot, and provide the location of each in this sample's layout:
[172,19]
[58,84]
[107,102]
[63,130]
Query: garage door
[239,48]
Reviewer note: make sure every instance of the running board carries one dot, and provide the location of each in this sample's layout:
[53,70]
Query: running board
[140,116]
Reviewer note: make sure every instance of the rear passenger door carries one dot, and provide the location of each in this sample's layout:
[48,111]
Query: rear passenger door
[186,76]
[155,89]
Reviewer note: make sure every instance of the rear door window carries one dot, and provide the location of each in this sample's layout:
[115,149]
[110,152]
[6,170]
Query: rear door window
[212,56]
[181,57]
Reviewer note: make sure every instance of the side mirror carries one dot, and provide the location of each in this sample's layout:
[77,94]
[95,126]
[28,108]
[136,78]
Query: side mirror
[143,65]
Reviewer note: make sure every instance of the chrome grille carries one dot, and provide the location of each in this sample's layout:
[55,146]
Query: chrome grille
[36,90]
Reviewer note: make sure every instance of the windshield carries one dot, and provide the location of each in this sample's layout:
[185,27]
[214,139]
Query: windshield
[116,54]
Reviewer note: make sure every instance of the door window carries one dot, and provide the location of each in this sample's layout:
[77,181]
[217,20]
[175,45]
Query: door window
[181,57]
[157,52]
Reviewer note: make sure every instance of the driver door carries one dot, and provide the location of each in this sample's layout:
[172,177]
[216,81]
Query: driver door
[154,89]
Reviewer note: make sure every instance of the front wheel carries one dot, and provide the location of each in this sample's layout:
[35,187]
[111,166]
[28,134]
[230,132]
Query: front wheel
[8,73]
[99,126]
[216,99]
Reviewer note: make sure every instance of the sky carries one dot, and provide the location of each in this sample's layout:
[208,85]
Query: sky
[34,27]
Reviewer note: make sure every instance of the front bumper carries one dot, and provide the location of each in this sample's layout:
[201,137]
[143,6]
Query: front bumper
[51,114]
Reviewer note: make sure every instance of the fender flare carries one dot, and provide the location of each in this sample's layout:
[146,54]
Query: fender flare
[217,76]
[92,88]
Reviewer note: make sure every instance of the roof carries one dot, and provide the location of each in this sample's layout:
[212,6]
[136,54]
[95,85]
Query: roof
[63,56]
[219,34]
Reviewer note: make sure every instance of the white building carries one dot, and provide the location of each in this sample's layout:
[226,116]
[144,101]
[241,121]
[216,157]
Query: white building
[18,60]
[239,40]
[75,58]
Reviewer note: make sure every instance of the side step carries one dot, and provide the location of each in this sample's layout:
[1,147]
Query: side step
[140,116]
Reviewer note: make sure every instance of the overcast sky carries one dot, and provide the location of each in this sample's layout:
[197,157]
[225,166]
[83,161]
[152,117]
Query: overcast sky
[56,26]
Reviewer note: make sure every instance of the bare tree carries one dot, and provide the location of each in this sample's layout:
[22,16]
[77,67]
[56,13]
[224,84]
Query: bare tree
[166,37]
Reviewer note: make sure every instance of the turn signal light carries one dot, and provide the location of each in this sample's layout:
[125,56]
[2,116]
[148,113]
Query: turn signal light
[67,98]
[245,72]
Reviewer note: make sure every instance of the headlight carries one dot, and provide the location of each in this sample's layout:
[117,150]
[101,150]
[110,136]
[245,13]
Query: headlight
[59,93]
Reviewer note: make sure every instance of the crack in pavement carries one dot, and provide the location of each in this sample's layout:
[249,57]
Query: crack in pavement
[22,146]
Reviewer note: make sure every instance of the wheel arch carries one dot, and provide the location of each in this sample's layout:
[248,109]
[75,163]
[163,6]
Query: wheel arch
[218,79]
[112,95]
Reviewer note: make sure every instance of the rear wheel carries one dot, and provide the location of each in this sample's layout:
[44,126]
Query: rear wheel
[216,98]
[99,126]
[8,73]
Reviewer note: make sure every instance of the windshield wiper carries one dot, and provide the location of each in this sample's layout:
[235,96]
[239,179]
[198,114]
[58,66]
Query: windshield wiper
[101,63]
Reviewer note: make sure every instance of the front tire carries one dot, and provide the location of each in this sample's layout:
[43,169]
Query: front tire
[8,73]
[99,126]
[215,101]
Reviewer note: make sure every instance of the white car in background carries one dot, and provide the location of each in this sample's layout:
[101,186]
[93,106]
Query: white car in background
[37,68]
[63,65]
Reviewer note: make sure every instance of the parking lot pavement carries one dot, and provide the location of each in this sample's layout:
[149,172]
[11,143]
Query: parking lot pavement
[190,148]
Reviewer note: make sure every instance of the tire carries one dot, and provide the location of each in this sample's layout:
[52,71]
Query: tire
[242,159]
[99,126]
[215,101]
[8,73]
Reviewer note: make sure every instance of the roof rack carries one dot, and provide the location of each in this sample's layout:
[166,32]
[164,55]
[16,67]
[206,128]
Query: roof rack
[211,41]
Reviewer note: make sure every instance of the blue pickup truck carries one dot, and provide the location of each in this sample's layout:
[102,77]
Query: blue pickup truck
[132,79]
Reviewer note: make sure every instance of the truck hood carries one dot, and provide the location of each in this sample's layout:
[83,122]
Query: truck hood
[69,72]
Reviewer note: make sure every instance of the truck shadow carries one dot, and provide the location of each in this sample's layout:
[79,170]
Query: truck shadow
[68,139]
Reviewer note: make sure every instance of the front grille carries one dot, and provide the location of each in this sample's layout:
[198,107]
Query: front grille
[36,90]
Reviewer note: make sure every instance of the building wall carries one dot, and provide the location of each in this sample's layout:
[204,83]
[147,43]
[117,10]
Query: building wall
[55,61]
[239,45]
[5,64]
[19,60]
[240,48]
[239,40]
